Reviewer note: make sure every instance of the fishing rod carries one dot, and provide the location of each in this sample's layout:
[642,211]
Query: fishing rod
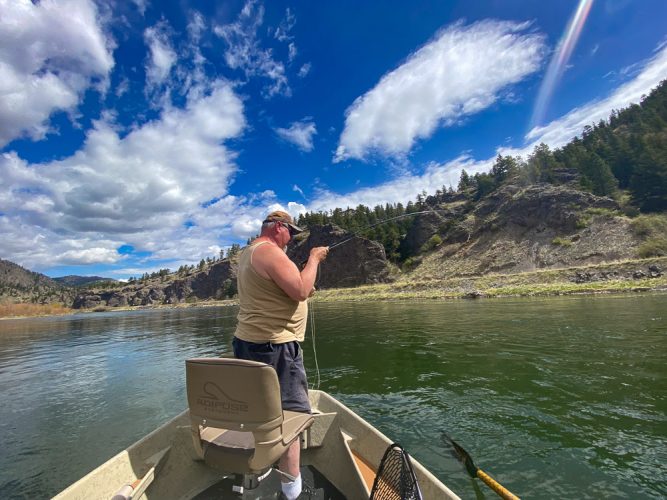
[371,226]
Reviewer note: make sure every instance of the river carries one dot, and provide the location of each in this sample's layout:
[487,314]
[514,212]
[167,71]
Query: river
[554,397]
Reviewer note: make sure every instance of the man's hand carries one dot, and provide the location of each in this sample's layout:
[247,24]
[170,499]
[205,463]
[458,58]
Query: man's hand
[319,254]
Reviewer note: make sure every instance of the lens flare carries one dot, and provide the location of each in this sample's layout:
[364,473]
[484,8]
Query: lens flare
[559,60]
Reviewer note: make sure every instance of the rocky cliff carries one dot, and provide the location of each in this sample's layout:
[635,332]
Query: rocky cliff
[519,229]
[356,261]
[216,281]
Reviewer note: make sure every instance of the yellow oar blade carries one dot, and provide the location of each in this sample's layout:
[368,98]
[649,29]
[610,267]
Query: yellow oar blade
[474,471]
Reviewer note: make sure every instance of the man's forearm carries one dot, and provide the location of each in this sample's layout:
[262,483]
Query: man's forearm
[308,275]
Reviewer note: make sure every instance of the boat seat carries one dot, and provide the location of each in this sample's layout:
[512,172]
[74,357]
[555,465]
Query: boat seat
[238,424]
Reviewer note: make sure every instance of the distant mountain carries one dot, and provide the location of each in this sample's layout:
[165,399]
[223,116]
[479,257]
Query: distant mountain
[76,281]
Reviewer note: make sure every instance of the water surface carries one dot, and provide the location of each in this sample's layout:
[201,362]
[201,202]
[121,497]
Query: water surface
[555,397]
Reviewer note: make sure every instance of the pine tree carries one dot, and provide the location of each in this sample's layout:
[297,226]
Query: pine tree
[598,176]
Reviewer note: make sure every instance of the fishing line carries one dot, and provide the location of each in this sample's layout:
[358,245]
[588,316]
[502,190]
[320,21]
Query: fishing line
[311,312]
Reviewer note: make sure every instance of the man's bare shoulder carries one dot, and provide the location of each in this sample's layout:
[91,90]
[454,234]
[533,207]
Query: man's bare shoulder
[266,256]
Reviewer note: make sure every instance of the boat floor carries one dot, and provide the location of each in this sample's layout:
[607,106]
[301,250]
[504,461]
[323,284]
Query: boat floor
[315,487]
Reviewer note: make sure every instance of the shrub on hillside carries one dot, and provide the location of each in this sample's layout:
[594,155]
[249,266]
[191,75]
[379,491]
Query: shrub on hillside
[432,243]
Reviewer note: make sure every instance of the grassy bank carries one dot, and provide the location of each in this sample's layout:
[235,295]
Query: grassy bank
[603,278]
[9,310]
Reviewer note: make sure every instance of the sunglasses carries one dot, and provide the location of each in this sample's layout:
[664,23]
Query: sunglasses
[292,231]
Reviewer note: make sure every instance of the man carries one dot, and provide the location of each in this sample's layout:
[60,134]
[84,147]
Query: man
[272,317]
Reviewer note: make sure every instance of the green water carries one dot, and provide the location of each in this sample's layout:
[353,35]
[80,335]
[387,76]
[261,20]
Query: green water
[556,397]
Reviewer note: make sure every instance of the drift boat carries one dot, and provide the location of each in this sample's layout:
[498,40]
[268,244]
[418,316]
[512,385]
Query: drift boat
[226,443]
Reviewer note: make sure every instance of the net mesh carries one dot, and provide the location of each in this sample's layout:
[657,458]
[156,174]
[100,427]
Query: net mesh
[395,478]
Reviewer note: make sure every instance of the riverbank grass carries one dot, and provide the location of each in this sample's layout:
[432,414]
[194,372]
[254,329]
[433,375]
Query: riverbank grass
[11,310]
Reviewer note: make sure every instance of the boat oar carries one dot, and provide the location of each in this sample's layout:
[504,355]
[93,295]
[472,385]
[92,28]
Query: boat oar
[475,471]
[137,488]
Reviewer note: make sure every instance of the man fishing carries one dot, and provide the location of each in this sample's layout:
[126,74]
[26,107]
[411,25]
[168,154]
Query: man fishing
[272,317]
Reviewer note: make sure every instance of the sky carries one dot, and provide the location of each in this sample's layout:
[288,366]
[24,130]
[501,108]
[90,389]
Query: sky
[138,135]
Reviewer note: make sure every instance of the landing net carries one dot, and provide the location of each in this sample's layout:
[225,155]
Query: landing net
[395,479]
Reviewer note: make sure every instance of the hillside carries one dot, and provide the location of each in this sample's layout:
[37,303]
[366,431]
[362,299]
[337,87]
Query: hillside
[519,229]
[21,285]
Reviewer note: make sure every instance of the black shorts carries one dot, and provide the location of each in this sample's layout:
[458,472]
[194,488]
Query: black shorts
[287,360]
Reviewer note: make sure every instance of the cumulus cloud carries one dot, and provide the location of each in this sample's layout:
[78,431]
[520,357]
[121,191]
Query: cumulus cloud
[50,53]
[162,56]
[244,51]
[299,133]
[134,190]
[462,71]
[229,219]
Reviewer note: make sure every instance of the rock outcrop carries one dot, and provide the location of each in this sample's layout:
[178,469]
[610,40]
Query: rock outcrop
[517,229]
[356,261]
[217,281]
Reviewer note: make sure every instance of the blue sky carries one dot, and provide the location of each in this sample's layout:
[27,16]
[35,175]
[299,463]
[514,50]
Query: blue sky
[139,135]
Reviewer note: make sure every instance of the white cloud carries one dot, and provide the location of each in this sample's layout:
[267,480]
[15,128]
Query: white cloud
[460,72]
[141,5]
[292,52]
[162,56]
[137,190]
[305,69]
[196,27]
[245,53]
[94,255]
[299,133]
[298,190]
[283,30]
[123,87]
[189,73]
[50,53]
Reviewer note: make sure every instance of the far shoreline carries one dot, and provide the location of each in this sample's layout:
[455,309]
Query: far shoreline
[397,292]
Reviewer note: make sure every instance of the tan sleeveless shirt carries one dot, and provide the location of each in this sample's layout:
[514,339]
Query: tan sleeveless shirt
[266,313]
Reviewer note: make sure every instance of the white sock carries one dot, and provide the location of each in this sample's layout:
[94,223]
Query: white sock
[292,490]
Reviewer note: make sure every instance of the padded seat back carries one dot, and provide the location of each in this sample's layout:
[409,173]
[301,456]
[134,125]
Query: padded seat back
[233,393]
